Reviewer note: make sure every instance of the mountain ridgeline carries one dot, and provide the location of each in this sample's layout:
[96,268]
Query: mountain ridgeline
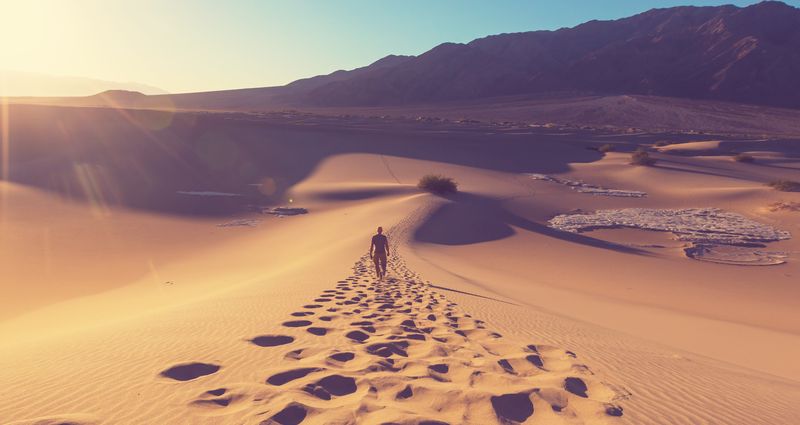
[747,55]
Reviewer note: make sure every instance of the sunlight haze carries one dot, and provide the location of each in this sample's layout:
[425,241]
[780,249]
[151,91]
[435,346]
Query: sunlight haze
[186,46]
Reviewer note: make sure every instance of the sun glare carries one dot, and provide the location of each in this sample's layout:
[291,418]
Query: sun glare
[41,35]
[4,158]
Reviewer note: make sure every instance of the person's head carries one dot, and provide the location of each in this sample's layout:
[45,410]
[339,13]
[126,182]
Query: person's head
[380,230]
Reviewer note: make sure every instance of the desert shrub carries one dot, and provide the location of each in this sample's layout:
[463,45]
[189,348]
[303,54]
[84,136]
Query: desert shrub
[641,157]
[438,184]
[785,185]
[608,147]
[743,157]
[784,206]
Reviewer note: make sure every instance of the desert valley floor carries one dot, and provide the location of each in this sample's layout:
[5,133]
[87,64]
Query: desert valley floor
[141,281]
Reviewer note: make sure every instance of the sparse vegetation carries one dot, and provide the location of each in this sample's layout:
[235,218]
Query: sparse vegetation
[785,185]
[743,157]
[784,206]
[641,157]
[438,184]
[608,147]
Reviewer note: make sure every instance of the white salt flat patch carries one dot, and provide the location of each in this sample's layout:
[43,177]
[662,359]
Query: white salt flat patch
[591,189]
[249,222]
[284,211]
[716,235]
[698,225]
[742,256]
[206,193]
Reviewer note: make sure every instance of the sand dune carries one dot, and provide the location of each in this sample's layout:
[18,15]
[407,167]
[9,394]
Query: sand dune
[138,312]
[404,354]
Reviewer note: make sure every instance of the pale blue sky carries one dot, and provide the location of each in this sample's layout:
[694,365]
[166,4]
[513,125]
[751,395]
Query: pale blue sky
[198,45]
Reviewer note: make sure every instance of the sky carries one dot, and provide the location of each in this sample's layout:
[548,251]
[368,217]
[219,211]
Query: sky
[202,45]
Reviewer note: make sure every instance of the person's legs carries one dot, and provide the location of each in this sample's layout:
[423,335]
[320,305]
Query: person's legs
[383,264]
[376,260]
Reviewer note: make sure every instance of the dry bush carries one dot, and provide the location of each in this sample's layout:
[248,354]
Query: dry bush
[608,147]
[438,184]
[641,157]
[784,206]
[785,185]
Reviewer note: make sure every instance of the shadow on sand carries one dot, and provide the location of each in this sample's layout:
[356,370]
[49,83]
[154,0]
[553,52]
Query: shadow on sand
[471,218]
[214,164]
[357,194]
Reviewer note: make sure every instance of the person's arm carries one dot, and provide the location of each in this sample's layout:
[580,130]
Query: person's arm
[371,246]
[387,247]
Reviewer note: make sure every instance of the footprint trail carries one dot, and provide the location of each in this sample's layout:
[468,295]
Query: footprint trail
[405,354]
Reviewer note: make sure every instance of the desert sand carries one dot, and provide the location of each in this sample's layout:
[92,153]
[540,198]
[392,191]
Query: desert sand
[141,284]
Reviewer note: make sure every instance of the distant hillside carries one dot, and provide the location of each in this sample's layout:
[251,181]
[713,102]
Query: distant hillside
[748,55]
[19,83]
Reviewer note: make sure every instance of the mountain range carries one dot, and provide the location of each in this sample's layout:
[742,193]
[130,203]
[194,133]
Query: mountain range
[23,83]
[747,55]
[736,54]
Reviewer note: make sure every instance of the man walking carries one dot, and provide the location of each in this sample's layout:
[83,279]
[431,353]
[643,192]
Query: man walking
[379,251]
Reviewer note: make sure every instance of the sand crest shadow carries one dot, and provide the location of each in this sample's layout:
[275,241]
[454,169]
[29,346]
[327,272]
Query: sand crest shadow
[471,218]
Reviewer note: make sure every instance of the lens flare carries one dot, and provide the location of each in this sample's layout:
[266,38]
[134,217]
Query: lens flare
[5,143]
[90,179]
[5,152]
[47,250]
[155,119]
[267,186]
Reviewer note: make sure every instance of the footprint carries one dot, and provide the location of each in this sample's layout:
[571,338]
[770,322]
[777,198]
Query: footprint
[439,368]
[387,349]
[189,371]
[217,402]
[292,414]
[536,360]
[218,392]
[295,354]
[302,313]
[342,357]
[576,386]
[288,376]
[357,336]
[612,410]
[338,385]
[513,407]
[296,323]
[506,366]
[272,340]
[317,331]
[405,393]
[334,385]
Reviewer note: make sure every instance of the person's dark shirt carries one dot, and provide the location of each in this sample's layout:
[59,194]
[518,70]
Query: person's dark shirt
[380,243]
